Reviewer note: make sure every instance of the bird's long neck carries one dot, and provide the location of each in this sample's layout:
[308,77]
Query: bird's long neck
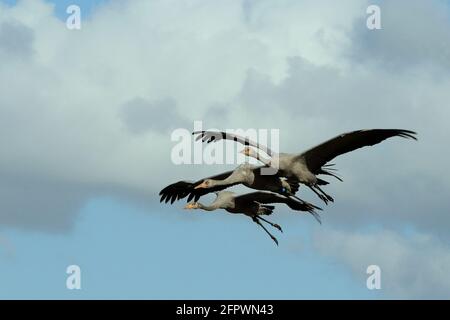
[211,207]
[231,179]
[264,160]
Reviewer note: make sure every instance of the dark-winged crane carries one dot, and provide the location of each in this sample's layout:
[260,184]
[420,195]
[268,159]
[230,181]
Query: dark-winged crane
[253,205]
[305,166]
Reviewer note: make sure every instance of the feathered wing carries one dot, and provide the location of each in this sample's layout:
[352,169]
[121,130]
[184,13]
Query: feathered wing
[182,189]
[212,136]
[272,197]
[318,156]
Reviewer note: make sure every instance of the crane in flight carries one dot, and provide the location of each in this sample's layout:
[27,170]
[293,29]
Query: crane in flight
[304,167]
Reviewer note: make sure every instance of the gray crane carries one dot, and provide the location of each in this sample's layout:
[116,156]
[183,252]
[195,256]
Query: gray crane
[253,205]
[304,167]
[246,174]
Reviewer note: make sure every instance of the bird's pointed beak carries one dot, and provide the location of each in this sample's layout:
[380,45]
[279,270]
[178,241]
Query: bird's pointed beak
[190,205]
[201,186]
[244,152]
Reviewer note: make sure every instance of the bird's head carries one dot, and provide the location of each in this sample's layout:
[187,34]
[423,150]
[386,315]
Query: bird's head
[285,187]
[249,152]
[207,183]
[192,205]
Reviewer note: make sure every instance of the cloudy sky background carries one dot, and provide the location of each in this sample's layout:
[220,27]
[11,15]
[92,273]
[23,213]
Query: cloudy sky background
[85,123]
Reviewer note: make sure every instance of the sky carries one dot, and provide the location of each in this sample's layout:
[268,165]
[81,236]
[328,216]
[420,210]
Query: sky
[85,131]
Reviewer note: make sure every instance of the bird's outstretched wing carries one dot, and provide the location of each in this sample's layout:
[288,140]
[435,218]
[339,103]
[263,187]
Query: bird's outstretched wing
[212,136]
[318,156]
[182,189]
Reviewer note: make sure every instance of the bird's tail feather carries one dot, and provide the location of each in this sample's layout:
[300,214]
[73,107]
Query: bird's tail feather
[328,173]
[328,169]
[316,216]
[306,205]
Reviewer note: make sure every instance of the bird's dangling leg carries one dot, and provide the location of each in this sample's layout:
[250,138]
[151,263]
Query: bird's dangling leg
[264,228]
[326,195]
[271,223]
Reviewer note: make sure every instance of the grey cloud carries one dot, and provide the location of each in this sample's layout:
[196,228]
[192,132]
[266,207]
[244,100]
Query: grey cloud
[351,96]
[39,202]
[79,150]
[71,113]
[414,33]
[413,266]
[16,40]
[396,182]
[217,115]
[392,200]
[161,116]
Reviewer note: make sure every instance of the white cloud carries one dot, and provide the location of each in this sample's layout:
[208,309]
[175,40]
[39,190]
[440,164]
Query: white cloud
[412,266]
[61,114]
[86,112]
[141,115]
[69,127]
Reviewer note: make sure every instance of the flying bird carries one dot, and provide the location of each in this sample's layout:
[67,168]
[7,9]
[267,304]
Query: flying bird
[246,174]
[305,166]
[253,205]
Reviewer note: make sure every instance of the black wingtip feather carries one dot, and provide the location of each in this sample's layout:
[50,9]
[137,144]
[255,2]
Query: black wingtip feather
[407,134]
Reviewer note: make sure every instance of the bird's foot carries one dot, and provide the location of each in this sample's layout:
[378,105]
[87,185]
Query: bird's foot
[275,240]
[278,227]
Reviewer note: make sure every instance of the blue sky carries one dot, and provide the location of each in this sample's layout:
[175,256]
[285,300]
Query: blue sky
[89,115]
[125,252]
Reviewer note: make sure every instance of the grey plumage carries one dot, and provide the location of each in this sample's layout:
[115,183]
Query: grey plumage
[246,174]
[281,187]
[304,167]
[254,205]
